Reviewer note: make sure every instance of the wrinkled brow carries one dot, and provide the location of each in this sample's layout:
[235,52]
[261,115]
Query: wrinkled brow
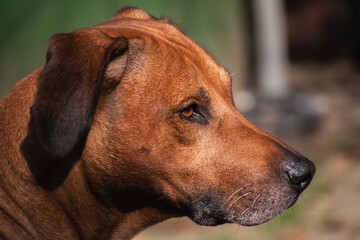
[204,95]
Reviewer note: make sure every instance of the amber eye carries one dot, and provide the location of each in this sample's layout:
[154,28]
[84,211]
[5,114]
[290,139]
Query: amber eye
[195,113]
[187,112]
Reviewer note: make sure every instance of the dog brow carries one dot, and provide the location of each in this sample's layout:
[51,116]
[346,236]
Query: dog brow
[201,96]
[204,95]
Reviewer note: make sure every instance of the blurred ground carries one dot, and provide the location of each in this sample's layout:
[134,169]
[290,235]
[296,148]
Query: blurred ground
[329,208]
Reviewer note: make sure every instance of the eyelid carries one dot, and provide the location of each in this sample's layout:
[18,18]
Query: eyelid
[192,105]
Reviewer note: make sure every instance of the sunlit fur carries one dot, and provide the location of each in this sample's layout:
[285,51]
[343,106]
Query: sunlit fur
[96,145]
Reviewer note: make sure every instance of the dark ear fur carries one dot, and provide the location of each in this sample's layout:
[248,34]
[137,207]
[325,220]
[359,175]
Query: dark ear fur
[69,87]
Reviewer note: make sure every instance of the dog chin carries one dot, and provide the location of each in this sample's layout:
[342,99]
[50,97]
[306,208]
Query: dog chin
[212,213]
[259,216]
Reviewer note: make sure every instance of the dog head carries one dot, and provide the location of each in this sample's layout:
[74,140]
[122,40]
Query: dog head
[152,115]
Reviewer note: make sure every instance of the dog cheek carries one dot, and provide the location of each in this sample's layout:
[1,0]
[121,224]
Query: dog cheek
[122,182]
[113,166]
[182,131]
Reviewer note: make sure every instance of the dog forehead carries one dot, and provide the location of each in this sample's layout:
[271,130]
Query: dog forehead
[165,36]
[132,12]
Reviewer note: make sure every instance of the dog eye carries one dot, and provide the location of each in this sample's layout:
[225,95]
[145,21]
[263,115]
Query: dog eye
[193,113]
[187,112]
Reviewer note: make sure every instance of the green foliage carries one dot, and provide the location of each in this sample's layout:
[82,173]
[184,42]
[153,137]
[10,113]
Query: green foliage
[26,27]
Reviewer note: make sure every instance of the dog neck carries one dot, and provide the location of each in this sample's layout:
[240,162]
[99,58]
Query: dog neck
[51,204]
[102,222]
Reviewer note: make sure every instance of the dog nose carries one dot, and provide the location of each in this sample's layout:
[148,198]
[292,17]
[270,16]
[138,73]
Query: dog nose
[301,173]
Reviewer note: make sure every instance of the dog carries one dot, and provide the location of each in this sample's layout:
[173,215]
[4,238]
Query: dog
[130,123]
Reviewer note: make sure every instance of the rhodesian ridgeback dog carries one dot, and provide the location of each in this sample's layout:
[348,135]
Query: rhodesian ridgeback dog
[130,123]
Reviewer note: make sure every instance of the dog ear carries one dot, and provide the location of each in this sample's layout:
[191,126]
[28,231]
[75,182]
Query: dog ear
[69,87]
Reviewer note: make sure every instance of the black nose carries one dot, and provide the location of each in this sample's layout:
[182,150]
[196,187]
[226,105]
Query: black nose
[301,173]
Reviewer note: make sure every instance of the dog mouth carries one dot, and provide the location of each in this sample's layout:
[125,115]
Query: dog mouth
[260,208]
[253,203]
[244,207]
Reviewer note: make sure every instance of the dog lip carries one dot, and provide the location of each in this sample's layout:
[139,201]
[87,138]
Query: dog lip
[264,217]
[211,210]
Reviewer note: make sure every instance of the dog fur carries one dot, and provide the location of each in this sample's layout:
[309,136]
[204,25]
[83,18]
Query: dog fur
[130,123]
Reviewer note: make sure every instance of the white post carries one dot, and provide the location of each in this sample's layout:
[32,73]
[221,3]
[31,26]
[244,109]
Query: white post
[271,48]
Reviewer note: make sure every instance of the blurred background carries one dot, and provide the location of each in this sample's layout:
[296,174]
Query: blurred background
[295,69]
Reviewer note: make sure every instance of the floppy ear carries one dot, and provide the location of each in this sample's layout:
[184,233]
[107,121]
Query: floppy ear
[69,87]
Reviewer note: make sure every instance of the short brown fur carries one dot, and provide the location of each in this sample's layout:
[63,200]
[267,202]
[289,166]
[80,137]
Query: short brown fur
[95,145]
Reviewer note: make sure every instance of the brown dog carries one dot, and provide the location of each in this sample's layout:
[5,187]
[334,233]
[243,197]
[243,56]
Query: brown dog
[130,123]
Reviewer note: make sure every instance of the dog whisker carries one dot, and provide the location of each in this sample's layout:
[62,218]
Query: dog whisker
[158,199]
[245,211]
[238,190]
[234,73]
[257,197]
[253,203]
[237,199]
